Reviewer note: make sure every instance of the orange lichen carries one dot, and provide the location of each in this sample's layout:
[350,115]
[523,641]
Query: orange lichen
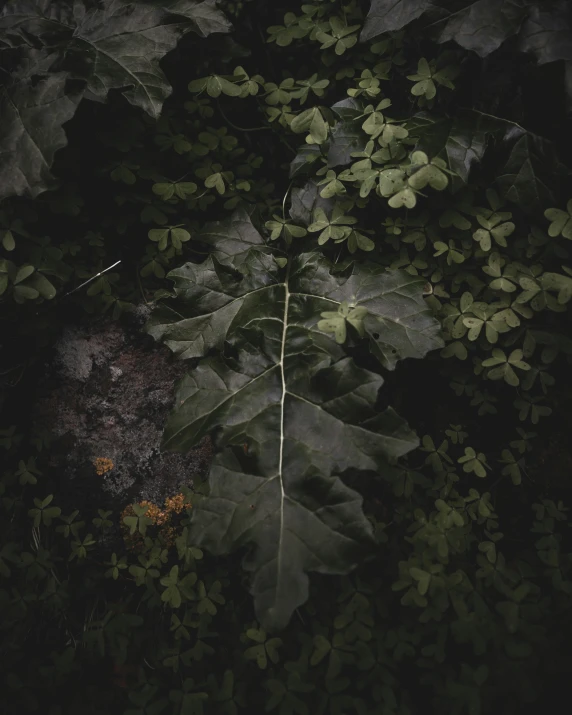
[177,504]
[102,465]
[159,517]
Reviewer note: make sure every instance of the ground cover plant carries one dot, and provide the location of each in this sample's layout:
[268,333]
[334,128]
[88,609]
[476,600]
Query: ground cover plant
[351,220]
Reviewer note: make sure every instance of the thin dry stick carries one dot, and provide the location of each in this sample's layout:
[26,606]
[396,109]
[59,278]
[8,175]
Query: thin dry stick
[91,279]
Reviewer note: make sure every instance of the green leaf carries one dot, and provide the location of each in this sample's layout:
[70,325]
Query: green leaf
[322,647]
[391,15]
[159,236]
[40,283]
[164,190]
[510,612]
[116,45]
[27,472]
[305,201]
[530,173]
[363,242]
[307,154]
[8,241]
[333,187]
[172,596]
[179,236]
[204,15]
[423,579]
[460,141]
[22,273]
[346,136]
[431,175]
[336,325]
[282,377]
[374,124]
[31,118]
[546,33]
[473,462]
[184,189]
[425,88]
[215,181]
[561,221]
[123,173]
[257,653]
[405,197]
[312,121]
[481,25]
[217,85]
[423,69]
[392,181]
[24,292]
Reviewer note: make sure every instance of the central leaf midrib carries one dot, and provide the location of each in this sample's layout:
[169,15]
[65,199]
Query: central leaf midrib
[245,295]
[282,403]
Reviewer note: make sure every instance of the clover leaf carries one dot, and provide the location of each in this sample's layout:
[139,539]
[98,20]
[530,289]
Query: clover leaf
[337,227]
[335,321]
[561,221]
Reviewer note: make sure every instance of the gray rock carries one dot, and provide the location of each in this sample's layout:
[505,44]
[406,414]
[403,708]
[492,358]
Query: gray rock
[108,394]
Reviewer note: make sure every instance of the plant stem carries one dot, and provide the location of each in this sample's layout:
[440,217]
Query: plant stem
[240,129]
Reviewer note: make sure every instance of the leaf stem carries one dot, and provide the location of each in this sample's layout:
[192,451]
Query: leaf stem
[284,200]
[140,286]
[240,129]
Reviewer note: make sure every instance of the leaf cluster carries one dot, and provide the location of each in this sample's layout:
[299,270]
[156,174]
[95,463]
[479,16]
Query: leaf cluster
[330,190]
